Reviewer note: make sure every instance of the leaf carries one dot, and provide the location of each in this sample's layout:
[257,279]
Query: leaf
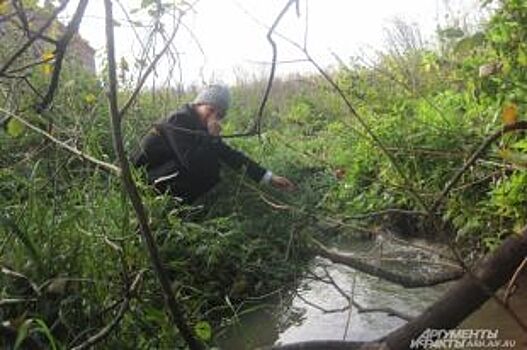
[522,57]
[516,158]
[48,56]
[90,98]
[509,115]
[43,328]
[4,7]
[14,127]
[22,333]
[203,330]
[47,69]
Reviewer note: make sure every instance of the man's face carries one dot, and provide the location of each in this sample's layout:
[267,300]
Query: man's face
[212,119]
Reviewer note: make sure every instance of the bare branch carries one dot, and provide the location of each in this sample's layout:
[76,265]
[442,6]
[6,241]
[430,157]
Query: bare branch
[62,45]
[104,332]
[257,125]
[103,165]
[148,71]
[176,310]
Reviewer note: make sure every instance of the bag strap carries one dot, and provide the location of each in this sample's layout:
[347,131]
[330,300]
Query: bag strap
[171,143]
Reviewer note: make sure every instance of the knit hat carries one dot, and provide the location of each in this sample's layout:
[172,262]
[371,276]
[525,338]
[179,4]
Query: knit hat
[216,95]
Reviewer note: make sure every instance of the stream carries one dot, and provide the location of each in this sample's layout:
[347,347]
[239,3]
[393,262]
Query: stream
[283,319]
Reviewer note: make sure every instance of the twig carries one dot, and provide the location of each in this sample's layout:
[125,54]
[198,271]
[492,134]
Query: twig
[352,296]
[9,272]
[176,310]
[359,307]
[509,290]
[14,301]
[320,308]
[385,212]
[103,165]
[104,332]
[61,47]
[149,70]
[257,125]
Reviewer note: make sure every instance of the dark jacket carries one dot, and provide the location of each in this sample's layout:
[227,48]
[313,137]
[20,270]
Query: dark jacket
[181,157]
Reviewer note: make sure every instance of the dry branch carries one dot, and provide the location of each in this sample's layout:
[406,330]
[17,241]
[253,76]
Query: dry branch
[103,165]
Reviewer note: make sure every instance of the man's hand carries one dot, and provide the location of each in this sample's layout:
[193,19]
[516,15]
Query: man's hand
[282,183]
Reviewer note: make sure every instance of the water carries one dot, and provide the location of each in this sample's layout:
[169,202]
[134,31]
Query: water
[289,320]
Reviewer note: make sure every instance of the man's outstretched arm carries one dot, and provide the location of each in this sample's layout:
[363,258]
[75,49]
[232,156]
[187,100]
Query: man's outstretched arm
[236,159]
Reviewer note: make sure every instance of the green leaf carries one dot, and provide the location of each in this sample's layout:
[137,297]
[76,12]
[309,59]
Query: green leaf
[22,333]
[522,57]
[203,330]
[14,127]
[43,328]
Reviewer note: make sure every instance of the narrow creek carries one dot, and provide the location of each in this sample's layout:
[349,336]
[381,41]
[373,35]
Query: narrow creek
[287,320]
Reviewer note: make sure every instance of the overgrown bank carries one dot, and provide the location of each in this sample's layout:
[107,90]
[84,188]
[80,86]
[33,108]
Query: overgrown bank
[69,244]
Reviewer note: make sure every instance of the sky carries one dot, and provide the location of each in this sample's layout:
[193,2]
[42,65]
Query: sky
[232,33]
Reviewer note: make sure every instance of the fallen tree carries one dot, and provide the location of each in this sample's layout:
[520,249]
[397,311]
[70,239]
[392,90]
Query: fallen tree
[465,297]
[405,280]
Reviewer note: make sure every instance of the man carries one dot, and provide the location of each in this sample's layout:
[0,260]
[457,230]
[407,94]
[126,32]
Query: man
[182,154]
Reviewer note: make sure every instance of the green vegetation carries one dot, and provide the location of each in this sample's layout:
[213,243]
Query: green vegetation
[69,245]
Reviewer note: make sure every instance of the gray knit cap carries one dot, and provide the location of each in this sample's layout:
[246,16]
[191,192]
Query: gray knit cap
[216,95]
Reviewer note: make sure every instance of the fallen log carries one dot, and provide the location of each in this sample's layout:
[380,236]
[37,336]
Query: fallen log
[465,297]
[405,280]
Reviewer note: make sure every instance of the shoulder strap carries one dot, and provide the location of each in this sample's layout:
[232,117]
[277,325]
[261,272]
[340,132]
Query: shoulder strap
[171,144]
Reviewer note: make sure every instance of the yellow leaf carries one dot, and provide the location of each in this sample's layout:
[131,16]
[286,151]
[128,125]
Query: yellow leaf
[47,69]
[48,56]
[509,115]
[90,98]
[4,7]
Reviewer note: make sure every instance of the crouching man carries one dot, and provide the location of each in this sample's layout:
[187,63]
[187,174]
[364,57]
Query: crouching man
[183,153]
